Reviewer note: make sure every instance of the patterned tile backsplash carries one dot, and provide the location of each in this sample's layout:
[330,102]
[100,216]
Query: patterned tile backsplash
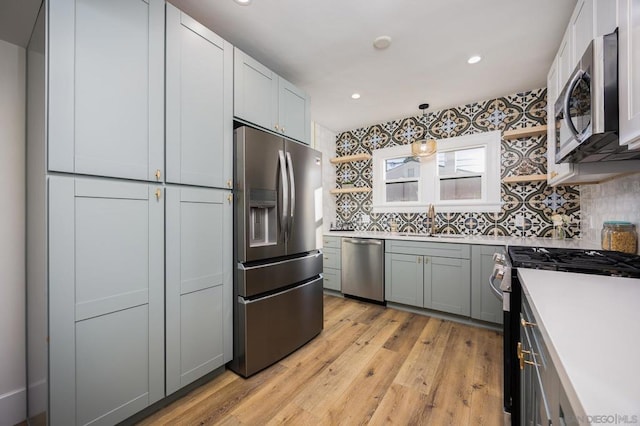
[532,202]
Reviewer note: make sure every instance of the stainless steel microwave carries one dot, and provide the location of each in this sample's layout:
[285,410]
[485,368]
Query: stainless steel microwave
[586,112]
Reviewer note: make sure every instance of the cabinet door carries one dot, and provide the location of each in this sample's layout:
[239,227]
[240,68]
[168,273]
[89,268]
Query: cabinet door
[199,104]
[106,87]
[293,111]
[199,283]
[556,172]
[255,92]
[582,28]
[565,59]
[106,299]
[485,305]
[629,72]
[450,286]
[404,279]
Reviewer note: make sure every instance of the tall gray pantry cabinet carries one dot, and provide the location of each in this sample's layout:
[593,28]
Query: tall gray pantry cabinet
[102,222]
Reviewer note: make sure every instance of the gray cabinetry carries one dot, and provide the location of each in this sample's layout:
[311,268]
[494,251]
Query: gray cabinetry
[332,256]
[404,279]
[198,283]
[428,275]
[106,299]
[106,87]
[265,99]
[485,305]
[199,110]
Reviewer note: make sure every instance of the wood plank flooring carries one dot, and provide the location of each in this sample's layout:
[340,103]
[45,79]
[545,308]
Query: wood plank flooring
[370,365]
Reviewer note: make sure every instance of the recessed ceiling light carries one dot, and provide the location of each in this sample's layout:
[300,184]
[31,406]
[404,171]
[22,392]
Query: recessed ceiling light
[355,96]
[474,59]
[382,42]
[243,2]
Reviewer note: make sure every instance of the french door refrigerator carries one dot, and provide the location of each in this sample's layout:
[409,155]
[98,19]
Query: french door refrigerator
[278,282]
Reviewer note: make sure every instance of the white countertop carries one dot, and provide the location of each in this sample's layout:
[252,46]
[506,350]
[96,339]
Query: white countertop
[474,239]
[590,325]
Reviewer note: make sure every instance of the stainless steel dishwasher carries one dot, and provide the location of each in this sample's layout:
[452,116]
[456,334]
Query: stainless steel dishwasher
[363,268]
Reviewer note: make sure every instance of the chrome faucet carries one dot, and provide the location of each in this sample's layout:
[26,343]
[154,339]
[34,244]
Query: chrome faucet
[432,219]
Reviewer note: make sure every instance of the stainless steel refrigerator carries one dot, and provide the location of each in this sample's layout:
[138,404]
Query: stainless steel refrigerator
[278,218]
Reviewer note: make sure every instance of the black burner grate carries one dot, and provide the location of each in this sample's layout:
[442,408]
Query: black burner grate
[599,262]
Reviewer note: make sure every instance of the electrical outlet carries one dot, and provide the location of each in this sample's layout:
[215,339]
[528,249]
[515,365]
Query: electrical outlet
[365,218]
[520,221]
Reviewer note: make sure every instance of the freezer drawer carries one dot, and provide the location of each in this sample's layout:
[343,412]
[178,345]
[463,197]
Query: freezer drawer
[363,268]
[274,326]
[261,278]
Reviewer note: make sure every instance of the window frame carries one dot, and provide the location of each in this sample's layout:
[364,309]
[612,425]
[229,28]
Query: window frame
[429,181]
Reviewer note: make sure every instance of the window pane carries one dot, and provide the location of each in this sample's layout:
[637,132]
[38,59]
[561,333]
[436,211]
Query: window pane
[403,167]
[402,191]
[461,161]
[466,188]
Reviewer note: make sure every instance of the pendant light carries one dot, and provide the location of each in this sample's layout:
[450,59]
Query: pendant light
[424,148]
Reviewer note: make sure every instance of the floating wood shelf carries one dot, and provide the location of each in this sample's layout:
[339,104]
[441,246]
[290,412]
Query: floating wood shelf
[350,158]
[524,178]
[524,133]
[349,190]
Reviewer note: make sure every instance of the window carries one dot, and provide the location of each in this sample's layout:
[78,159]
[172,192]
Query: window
[463,176]
[402,179]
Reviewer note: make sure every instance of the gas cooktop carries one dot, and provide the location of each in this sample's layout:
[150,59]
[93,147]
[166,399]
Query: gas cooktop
[599,262]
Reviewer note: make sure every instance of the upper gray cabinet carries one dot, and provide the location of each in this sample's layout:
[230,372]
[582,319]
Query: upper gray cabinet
[199,114]
[263,98]
[629,72]
[106,88]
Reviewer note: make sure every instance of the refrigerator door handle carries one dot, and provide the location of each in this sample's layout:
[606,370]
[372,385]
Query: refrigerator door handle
[285,194]
[292,182]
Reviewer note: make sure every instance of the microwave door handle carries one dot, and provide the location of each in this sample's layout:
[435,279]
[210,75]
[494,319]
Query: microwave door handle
[292,182]
[285,194]
[575,78]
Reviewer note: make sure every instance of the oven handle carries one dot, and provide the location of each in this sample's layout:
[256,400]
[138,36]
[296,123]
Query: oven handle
[575,78]
[495,290]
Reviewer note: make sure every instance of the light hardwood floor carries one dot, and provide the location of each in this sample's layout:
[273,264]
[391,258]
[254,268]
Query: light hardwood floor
[370,365]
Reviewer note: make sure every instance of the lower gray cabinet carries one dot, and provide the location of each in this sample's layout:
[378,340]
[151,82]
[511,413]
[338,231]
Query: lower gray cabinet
[106,299]
[485,305]
[199,283]
[331,263]
[450,285]
[432,282]
[404,279]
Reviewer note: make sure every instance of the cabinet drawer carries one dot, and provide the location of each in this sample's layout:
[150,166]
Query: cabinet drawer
[331,258]
[332,279]
[332,242]
[453,250]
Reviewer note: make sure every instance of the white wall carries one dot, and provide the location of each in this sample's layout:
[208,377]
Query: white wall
[12,233]
[324,140]
[618,199]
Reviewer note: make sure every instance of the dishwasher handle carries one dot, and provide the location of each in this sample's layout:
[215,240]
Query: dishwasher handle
[363,242]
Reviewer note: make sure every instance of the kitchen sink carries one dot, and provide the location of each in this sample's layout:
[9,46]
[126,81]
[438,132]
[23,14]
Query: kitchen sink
[415,234]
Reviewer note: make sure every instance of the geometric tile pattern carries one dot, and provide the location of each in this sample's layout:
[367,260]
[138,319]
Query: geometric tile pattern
[535,202]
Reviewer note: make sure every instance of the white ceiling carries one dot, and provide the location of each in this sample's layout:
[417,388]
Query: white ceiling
[326,48]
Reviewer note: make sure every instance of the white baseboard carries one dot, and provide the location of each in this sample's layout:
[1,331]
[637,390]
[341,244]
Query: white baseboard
[13,407]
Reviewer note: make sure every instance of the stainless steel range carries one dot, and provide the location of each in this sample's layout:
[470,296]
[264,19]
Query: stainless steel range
[505,284]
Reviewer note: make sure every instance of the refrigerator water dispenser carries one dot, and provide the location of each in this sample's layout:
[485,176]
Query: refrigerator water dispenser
[263,222]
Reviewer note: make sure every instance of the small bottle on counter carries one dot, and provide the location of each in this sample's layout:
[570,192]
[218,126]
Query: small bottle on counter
[619,236]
